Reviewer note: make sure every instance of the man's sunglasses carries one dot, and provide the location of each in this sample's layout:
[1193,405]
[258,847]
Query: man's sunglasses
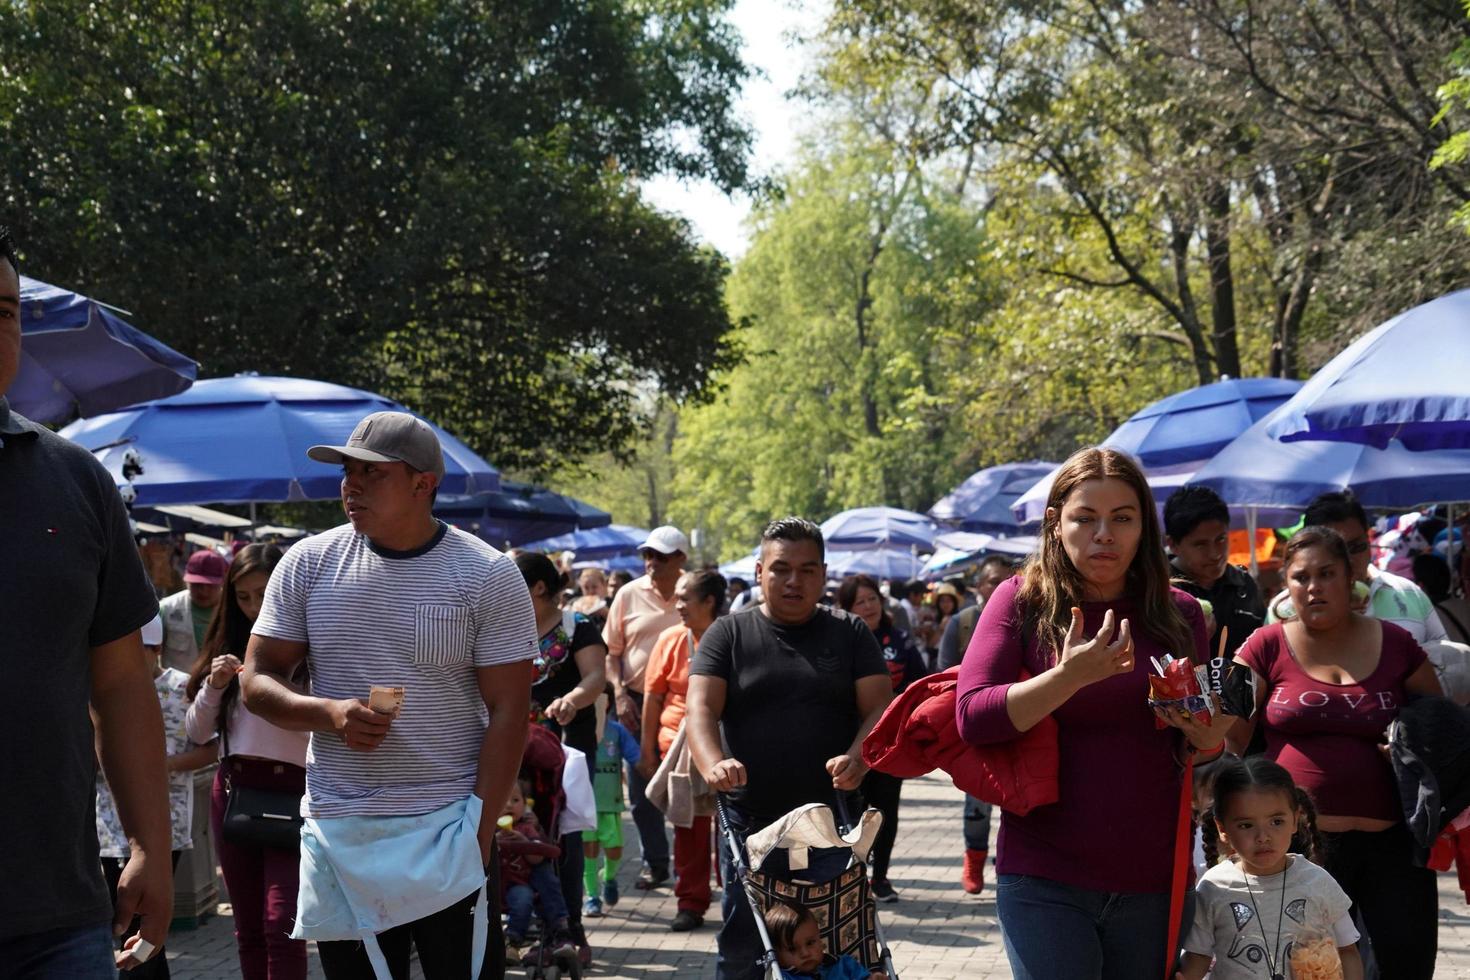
[651,555]
[1357,546]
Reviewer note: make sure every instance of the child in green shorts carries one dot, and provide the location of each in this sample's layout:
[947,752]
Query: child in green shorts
[615,746]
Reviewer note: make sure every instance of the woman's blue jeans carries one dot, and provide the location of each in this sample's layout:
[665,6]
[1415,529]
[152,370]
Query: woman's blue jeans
[1052,930]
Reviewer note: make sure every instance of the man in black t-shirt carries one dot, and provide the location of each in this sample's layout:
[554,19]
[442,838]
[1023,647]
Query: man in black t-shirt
[780,698]
[73,600]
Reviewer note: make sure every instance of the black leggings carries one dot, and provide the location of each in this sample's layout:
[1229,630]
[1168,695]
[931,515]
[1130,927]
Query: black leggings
[881,790]
[1396,903]
[444,941]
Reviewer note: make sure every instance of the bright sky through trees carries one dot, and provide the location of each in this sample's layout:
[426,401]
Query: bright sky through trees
[768,28]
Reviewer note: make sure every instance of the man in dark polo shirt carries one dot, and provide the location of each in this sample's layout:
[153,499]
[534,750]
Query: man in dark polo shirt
[781,695]
[73,599]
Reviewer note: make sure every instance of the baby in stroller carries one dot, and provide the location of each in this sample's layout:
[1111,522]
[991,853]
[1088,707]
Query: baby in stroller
[800,952]
[528,874]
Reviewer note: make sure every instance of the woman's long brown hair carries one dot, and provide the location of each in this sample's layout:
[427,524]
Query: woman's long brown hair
[229,629]
[1051,585]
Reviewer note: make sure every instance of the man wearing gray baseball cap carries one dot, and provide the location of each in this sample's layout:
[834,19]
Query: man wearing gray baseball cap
[418,637]
[373,505]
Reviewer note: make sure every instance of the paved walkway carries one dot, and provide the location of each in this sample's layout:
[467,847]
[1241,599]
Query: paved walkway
[937,932]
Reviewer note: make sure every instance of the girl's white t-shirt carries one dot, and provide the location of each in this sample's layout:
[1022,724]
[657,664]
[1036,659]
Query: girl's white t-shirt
[1239,917]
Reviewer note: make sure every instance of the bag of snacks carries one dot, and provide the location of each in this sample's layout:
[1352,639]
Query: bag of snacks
[1180,684]
[1314,956]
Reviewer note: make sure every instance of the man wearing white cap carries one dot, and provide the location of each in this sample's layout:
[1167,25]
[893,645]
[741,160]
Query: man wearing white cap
[640,611]
[419,639]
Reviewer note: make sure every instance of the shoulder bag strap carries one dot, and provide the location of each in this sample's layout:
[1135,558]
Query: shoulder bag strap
[224,735]
[1183,855]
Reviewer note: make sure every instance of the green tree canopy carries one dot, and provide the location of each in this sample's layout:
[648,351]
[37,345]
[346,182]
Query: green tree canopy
[1206,143]
[432,199]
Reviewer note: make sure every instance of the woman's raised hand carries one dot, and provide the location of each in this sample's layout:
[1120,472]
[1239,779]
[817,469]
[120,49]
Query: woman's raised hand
[222,670]
[1097,659]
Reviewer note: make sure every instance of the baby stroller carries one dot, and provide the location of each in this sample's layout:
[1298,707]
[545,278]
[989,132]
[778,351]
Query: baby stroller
[541,766]
[832,884]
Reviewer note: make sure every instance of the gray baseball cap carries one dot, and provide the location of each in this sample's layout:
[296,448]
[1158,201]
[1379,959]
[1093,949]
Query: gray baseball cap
[388,437]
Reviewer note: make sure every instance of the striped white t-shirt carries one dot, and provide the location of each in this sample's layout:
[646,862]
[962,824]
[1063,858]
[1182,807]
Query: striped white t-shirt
[423,620]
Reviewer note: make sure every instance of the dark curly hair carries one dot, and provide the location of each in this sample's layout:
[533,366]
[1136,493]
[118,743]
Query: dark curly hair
[1236,776]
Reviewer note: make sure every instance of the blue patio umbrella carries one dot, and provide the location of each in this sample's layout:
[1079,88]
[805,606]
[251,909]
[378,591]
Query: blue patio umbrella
[1407,379]
[883,563]
[519,512]
[78,357]
[631,564]
[1278,479]
[868,528]
[1196,424]
[741,568]
[956,549]
[244,439]
[982,503]
[612,541]
[1175,436]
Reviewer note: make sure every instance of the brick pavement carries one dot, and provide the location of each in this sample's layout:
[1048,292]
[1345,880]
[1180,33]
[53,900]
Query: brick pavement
[936,931]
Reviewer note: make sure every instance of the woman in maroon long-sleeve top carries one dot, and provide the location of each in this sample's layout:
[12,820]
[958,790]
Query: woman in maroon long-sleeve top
[1084,883]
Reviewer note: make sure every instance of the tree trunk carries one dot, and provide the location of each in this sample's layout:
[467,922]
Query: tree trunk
[1222,280]
[1291,306]
[1186,311]
[860,314]
[655,516]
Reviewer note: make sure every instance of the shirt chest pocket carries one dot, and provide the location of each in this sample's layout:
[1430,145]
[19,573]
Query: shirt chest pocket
[441,635]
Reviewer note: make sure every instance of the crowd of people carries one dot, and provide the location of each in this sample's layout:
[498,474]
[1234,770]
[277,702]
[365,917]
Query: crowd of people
[423,743]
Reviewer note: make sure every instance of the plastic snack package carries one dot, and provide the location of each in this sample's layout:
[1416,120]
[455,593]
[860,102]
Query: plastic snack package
[1314,956]
[1180,684]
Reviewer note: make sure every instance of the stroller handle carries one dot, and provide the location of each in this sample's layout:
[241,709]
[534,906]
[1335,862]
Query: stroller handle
[844,815]
[768,965]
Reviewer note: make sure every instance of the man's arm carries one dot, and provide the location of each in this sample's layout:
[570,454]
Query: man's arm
[616,639]
[506,691]
[704,705]
[873,694]
[130,743]
[269,663]
[1434,627]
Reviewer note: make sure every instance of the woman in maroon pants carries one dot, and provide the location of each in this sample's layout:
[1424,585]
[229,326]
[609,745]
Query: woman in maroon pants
[262,880]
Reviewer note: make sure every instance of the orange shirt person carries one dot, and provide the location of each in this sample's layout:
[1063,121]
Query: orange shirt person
[699,598]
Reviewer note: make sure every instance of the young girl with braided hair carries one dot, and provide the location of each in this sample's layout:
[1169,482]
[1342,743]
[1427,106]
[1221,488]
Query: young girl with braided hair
[1251,909]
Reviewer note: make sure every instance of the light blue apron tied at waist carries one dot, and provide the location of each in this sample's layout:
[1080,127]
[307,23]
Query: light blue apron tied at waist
[363,875]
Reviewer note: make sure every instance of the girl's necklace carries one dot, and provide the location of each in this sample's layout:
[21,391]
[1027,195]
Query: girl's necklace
[1271,963]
